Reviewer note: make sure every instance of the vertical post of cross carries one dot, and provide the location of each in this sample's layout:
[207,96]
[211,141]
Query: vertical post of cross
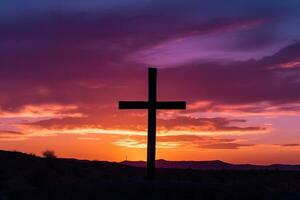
[152,76]
[152,105]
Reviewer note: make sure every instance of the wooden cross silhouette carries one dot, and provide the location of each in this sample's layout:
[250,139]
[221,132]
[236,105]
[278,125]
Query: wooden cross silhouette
[152,105]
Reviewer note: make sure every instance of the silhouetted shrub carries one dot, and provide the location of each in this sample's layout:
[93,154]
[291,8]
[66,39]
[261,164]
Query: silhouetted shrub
[31,154]
[49,154]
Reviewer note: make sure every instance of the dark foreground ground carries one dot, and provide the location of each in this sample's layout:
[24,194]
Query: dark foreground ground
[29,177]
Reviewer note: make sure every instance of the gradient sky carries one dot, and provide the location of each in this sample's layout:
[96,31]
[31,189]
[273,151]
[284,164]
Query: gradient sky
[64,65]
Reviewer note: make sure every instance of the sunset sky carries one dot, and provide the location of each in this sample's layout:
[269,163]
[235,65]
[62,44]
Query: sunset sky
[64,65]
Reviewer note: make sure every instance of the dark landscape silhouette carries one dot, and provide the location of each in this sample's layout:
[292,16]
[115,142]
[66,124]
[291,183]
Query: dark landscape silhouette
[26,176]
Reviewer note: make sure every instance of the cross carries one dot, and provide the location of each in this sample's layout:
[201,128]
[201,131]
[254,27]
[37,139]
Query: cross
[152,105]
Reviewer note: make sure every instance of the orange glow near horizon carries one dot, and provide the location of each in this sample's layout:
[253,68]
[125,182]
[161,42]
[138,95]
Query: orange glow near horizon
[180,136]
[103,147]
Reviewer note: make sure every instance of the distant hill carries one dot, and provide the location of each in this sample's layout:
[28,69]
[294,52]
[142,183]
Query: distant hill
[24,176]
[212,165]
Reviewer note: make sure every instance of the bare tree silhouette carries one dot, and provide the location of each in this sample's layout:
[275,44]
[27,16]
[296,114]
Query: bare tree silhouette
[49,154]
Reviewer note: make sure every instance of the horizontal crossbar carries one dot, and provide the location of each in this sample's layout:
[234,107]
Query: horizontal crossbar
[170,105]
[158,105]
[133,105]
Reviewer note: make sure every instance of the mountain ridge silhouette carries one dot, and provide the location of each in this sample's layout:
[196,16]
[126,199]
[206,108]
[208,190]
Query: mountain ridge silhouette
[162,163]
[212,165]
